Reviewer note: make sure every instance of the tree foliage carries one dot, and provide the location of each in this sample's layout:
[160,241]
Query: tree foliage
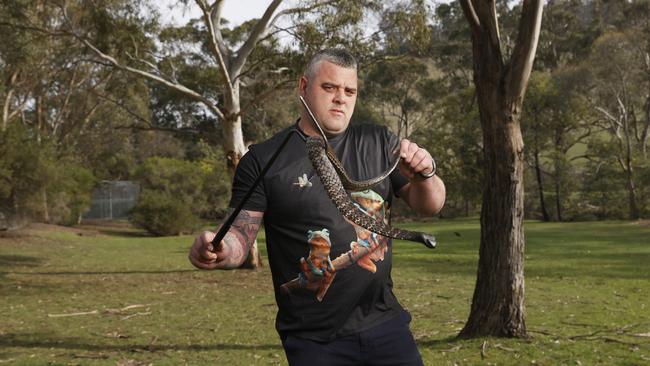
[67,108]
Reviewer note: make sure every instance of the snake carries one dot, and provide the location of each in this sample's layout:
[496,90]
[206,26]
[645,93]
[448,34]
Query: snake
[350,184]
[329,168]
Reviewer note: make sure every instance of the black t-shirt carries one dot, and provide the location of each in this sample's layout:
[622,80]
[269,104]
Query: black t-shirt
[296,206]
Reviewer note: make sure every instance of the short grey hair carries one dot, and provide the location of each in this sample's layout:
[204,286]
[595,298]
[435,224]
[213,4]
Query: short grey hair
[337,56]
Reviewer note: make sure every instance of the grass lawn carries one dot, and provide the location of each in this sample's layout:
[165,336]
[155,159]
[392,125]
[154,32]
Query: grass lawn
[97,295]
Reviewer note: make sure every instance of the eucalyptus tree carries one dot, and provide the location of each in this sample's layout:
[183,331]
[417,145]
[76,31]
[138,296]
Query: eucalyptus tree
[207,65]
[498,302]
[224,53]
[557,123]
[48,98]
[620,75]
[392,87]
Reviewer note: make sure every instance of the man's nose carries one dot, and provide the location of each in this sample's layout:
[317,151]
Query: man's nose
[339,96]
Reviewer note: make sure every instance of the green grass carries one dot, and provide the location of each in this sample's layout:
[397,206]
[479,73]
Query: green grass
[587,299]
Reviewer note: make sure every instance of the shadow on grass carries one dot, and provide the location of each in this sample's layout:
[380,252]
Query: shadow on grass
[102,273]
[19,261]
[435,343]
[124,233]
[31,341]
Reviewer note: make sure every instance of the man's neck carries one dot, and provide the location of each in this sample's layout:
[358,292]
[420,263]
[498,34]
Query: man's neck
[307,125]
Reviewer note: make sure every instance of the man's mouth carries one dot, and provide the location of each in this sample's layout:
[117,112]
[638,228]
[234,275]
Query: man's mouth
[337,111]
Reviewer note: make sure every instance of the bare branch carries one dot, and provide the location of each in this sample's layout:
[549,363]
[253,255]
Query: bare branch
[66,101]
[271,91]
[621,163]
[523,54]
[305,9]
[470,15]
[214,43]
[8,97]
[148,125]
[170,84]
[609,116]
[34,29]
[486,12]
[149,64]
[215,14]
[122,106]
[258,32]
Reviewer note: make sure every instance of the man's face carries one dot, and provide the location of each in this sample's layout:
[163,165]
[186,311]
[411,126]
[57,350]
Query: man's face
[331,94]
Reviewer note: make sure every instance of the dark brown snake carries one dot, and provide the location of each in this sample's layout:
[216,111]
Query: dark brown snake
[354,185]
[329,170]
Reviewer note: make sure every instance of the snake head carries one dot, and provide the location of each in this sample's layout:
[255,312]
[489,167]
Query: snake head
[428,240]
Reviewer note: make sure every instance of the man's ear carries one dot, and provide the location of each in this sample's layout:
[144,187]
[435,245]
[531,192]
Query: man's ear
[302,85]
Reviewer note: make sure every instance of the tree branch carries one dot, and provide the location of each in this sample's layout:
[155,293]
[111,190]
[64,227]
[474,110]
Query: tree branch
[470,15]
[215,14]
[66,101]
[136,115]
[260,28]
[172,85]
[8,97]
[262,96]
[305,9]
[487,14]
[523,54]
[215,33]
[612,119]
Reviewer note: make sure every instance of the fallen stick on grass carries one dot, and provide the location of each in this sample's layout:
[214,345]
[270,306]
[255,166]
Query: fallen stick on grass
[73,314]
[136,314]
[119,311]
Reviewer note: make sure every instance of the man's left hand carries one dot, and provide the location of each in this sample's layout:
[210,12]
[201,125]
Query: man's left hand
[414,160]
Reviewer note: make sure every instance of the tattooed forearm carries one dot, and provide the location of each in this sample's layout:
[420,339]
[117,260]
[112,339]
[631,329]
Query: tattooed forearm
[244,231]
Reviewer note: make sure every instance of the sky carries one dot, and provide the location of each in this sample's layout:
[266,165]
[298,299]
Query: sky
[235,11]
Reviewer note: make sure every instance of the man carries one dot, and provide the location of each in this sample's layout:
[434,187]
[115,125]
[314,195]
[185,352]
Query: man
[344,317]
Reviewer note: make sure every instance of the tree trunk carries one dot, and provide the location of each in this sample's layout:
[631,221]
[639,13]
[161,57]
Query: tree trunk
[559,173]
[558,200]
[635,214]
[540,183]
[8,97]
[498,301]
[629,170]
[5,109]
[235,148]
[46,210]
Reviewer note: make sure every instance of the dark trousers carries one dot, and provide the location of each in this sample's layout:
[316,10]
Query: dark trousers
[389,343]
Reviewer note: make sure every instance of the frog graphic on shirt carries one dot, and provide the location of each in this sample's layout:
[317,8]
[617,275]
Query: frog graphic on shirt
[317,270]
[373,205]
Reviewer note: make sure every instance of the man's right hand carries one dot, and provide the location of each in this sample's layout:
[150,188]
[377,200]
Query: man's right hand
[234,247]
[202,254]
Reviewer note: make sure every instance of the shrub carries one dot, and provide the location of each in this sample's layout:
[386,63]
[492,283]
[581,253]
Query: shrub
[37,183]
[161,214]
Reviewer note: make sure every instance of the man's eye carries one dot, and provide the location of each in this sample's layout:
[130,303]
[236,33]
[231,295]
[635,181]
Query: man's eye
[328,87]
